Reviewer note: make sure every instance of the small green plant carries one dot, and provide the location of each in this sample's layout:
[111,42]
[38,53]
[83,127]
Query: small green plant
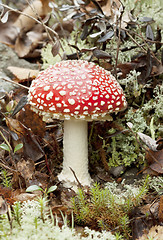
[33,188]
[17,212]
[42,199]
[8,148]
[10,107]
[6,180]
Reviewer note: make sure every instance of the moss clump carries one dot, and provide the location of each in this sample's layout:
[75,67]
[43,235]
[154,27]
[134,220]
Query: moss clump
[108,208]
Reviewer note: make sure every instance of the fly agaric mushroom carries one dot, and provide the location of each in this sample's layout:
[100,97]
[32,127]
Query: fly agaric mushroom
[76,91]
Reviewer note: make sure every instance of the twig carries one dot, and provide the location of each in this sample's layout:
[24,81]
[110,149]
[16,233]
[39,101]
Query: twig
[127,32]
[103,159]
[47,164]
[150,41]
[119,41]
[63,31]
[117,53]
[145,42]
[141,36]
[79,184]
[18,84]
[35,19]
[10,148]
[5,139]
[10,169]
[39,162]
[43,24]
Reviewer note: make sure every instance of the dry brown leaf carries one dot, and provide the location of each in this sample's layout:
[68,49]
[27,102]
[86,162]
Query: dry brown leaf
[26,196]
[36,34]
[26,43]
[8,32]
[160,214]
[7,194]
[156,233]
[15,126]
[64,29]
[106,6]
[156,166]
[45,4]
[23,45]
[157,70]
[110,6]
[3,206]
[42,179]
[34,10]
[21,195]
[140,64]
[23,73]
[126,68]
[32,120]
[26,169]
[31,147]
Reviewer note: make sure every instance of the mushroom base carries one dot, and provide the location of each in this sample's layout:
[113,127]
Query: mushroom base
[75,151]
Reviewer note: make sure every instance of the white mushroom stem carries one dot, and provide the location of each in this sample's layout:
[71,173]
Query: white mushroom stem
[75,150]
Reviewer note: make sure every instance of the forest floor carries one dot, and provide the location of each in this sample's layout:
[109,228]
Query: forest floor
[125,154]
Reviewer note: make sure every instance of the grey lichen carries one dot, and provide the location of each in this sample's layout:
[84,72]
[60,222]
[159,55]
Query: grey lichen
[124,149]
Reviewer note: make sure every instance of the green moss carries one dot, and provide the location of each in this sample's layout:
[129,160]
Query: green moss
[108,208]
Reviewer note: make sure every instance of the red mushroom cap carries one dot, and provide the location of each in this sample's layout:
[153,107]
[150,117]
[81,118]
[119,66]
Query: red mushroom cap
[76,89]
